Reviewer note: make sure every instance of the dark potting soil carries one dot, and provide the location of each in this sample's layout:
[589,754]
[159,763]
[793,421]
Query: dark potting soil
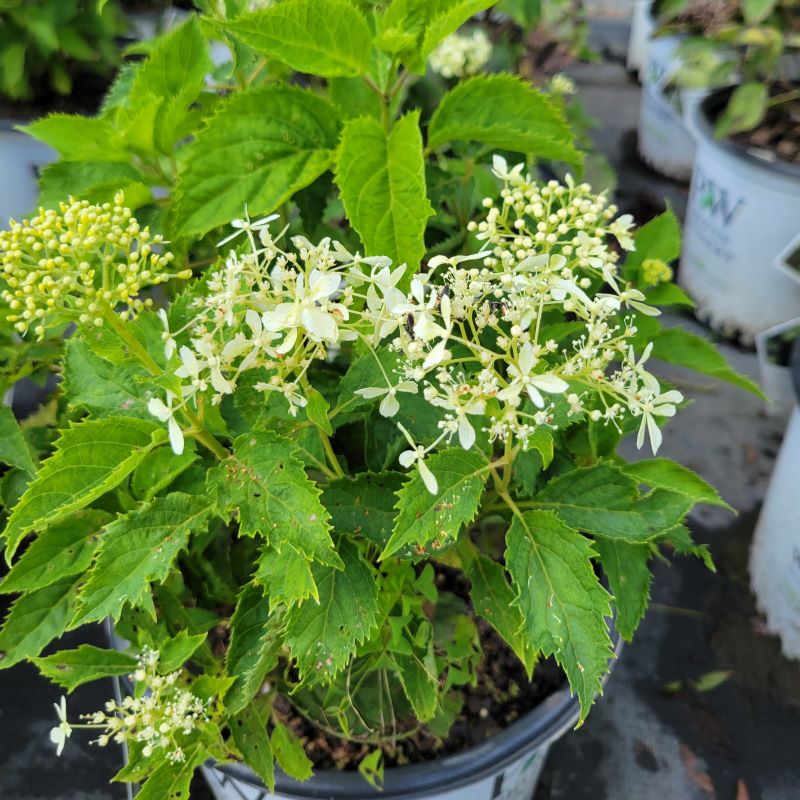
[85,98]
[502,695]
[705,16]
[779,133]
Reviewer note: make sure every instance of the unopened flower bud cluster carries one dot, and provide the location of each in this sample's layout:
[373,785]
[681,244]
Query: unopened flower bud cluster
[461,54]
[77,263]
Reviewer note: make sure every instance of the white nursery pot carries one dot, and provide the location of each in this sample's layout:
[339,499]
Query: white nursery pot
[21,158]
[642,27]
[742,212]
[775,556]
[665,141]
[776,378]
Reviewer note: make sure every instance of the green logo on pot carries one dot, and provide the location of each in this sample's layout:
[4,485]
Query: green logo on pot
[715,200]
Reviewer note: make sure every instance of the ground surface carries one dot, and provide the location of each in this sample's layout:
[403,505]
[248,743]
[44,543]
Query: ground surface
[736,742]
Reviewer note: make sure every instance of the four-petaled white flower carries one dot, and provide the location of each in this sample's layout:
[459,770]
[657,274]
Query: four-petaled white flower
[659,404]
[524,379]
[416,455]
[630,297]
[389,405]
[310,310]
[62,732]
[620,228]
[166,413]
[454,402]
[245,225]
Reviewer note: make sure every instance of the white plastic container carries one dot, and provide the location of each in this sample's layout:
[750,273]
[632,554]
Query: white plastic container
[21,158]
[772,347]
[775,556]
[742,213]
[642,27]
[665,142]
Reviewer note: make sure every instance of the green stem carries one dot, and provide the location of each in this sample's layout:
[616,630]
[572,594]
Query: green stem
[206,438]
[133,344]
[334,462]
[786,97]
[197,430]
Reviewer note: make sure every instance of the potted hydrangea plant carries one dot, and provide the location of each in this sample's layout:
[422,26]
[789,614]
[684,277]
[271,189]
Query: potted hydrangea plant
[321,494]
[745,188]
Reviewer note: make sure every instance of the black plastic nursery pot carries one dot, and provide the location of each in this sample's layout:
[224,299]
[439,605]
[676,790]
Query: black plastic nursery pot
[742,214]
[506,765]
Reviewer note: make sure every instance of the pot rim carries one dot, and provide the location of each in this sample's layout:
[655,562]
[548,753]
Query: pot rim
[547,722]
[702,115]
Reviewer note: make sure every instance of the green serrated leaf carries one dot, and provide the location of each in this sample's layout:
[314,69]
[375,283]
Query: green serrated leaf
[171,781]
[249,731]
[745,110]
[660,239]
[175,652]
[167,83]
[35,619]
[419,677]
[665,474]
[317,410]
[90,458]
[73,668]
[562,602]
[286,576]
[603,500]
[364,505]
[138,549]
[78,138]
[493,600]
[323,636]
[260,147]
[506,112]
[102,388]
[678,346]
[253,649]
[289,753]
[426,521]
[14,450]
[64,549]
[329,39]
[265,482]
[451,17]
[371,768]
[158,469]
[382,182]
[625,566]
[96,181]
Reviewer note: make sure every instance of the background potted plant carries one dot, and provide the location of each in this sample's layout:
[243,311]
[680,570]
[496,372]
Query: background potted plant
[682,61]
[746,181]
[46,46]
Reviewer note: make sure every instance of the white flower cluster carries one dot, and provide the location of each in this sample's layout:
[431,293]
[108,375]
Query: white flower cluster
[461,54]
[531,332]
[276,311]
[157,715]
